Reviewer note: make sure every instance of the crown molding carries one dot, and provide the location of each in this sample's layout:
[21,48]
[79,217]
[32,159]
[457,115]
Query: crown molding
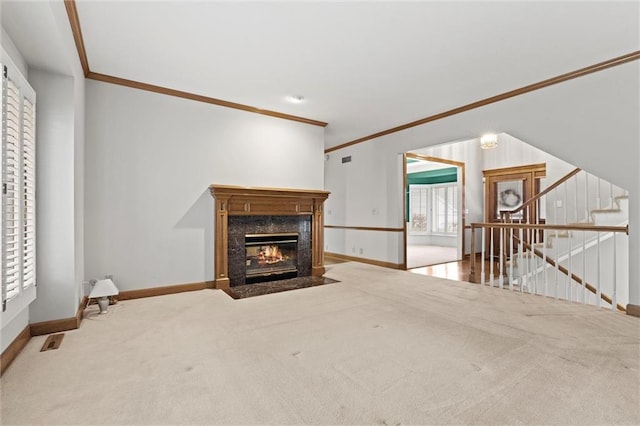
[633,56]
[76,29]
[199,98]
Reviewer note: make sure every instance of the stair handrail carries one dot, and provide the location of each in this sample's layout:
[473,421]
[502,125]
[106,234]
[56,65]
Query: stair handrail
[573,276]
[572,227]
[530,201]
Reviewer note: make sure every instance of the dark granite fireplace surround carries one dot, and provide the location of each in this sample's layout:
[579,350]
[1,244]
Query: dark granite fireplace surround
[239,226]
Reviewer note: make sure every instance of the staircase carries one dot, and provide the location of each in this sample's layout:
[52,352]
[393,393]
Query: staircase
[577,250]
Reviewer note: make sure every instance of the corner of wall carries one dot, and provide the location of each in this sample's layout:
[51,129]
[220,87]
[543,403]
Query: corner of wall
[14,53]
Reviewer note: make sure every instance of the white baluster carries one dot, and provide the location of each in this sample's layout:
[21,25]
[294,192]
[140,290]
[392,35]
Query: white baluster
[544,263]
[491,256]
[569,275]
[511,259]
[575,200]
[614,298]
[557,266]
[584,267]
[531,275]
[564,204]
[483,253]
[553,212]
[482,258]
[520,261]
[532,261]
[598,271]
[586,198]
[501,257]
[610,195]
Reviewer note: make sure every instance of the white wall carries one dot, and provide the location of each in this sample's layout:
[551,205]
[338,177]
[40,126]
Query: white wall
[634,235]
[365,192]
[432,240]
[149,160]
[55,222]
[14,53]
[591,122]
[78,186]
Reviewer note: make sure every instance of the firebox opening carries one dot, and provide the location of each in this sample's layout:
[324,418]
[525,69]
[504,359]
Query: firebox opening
[271,257]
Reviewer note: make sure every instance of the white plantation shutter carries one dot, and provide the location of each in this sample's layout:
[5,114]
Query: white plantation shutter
[18,231]
[28,193]
[11,189]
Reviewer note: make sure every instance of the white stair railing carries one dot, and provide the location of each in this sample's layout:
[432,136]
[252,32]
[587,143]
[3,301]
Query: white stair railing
[524,265]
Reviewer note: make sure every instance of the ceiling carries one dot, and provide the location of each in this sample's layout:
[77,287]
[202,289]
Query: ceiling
[363,67]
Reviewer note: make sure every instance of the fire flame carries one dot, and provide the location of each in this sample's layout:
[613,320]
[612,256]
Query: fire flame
[270,254]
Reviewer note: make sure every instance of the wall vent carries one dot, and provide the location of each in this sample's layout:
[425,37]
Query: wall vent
[53,342]
[346,159]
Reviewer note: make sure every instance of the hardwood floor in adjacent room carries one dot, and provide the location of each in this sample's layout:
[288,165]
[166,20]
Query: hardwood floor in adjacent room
[458,271]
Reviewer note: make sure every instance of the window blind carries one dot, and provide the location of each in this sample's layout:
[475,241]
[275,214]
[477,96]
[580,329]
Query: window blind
[11,191]
[18,230]
[28,193]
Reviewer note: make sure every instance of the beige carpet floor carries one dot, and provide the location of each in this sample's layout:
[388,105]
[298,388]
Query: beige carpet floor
[382,347]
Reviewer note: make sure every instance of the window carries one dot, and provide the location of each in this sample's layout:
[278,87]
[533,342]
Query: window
[18,231]
[433,209]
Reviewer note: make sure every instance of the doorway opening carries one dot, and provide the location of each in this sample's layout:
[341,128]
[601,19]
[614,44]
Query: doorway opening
[434,207]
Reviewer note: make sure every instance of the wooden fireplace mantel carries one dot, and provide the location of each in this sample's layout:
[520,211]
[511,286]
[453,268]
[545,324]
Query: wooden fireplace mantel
[252,201]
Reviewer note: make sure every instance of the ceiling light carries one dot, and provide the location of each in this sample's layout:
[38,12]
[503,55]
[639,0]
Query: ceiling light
[490,140]
[295,99]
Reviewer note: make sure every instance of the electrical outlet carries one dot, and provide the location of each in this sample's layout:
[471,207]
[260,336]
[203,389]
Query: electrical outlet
[353,249]
[361,250]
[108,277]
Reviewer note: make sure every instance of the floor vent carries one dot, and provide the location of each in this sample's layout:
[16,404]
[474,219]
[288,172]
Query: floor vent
[53,342]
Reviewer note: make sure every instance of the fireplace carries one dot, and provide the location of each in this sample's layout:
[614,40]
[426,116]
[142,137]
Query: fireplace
[247,211]
[270,257]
